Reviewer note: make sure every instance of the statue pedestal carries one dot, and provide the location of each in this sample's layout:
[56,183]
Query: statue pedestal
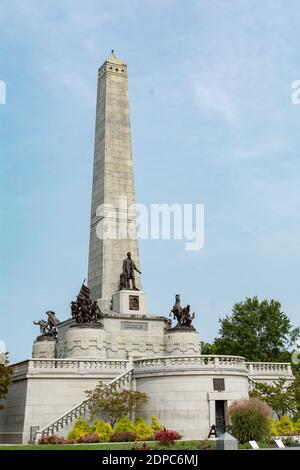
[44,347]
[182,341]
[83,341]
[130,302]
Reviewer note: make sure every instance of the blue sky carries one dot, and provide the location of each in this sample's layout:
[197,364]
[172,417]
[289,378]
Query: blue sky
[212,122]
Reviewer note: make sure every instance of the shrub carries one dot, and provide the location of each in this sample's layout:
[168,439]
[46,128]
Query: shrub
[80,428]
[167,437]
[273,427]
[123,437]
[144,432]
[285,426]
[124,425]
[103,430]
[297,426]
[54,439]
[250,420]
[155,424]
[89,438]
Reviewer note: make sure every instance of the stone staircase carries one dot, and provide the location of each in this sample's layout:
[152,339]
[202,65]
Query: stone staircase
[82,408]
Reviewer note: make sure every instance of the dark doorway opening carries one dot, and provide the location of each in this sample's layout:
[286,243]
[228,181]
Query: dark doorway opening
[220,416]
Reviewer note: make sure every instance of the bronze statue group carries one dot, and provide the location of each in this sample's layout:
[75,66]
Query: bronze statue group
[86,310]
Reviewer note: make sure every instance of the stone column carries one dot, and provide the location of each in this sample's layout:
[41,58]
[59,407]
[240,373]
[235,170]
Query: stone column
[112,179]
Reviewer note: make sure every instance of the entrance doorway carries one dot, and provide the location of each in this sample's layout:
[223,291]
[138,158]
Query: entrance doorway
[221,406]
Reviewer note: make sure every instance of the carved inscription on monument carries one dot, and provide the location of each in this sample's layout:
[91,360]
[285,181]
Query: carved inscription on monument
[128,325]
[134,302]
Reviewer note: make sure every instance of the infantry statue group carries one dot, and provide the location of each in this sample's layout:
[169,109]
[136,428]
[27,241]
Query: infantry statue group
[86,310]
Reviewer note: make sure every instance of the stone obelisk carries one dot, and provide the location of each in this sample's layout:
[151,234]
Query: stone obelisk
[113,181]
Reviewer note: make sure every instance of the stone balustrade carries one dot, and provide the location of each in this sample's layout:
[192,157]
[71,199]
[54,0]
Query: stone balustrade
[269,368]
[200,362]
[78,364]
[62,366]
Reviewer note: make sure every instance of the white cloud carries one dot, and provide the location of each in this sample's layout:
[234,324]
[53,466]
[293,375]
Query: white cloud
[211,96]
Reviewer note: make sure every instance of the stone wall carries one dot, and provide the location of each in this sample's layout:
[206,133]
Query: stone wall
[185,402]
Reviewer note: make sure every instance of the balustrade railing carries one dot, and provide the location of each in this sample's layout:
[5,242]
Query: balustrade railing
[61,365]
[269,368]
[198,362]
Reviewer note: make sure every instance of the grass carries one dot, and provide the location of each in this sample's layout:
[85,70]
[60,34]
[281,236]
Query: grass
[179,445]
[121,446]
[261,445]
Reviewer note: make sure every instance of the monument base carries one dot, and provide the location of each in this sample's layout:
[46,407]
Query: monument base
[182,341]
[83,341]
[130,302]
[44,347]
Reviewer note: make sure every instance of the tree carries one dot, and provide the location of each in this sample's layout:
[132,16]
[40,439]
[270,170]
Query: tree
[258,331]
[295,356]
[207,348]
[297,392]
[113,403]
[280,396]
[5,378]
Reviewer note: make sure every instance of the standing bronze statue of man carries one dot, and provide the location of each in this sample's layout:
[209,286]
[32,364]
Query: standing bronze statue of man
[128,273]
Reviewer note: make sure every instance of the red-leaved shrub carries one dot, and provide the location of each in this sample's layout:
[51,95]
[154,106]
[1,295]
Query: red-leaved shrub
[167,437]
[89,438]
[53,439]
[123,437]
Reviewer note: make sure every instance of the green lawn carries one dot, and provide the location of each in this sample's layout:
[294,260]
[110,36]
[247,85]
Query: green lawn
[121,446]
[180,445]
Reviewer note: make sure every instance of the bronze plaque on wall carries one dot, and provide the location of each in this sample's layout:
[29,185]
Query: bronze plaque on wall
[134,302]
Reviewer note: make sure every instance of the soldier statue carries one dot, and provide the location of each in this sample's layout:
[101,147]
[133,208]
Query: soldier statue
[84,309]
[187,318]
[176,309]
[43,326]
[48,328]
[182,314]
